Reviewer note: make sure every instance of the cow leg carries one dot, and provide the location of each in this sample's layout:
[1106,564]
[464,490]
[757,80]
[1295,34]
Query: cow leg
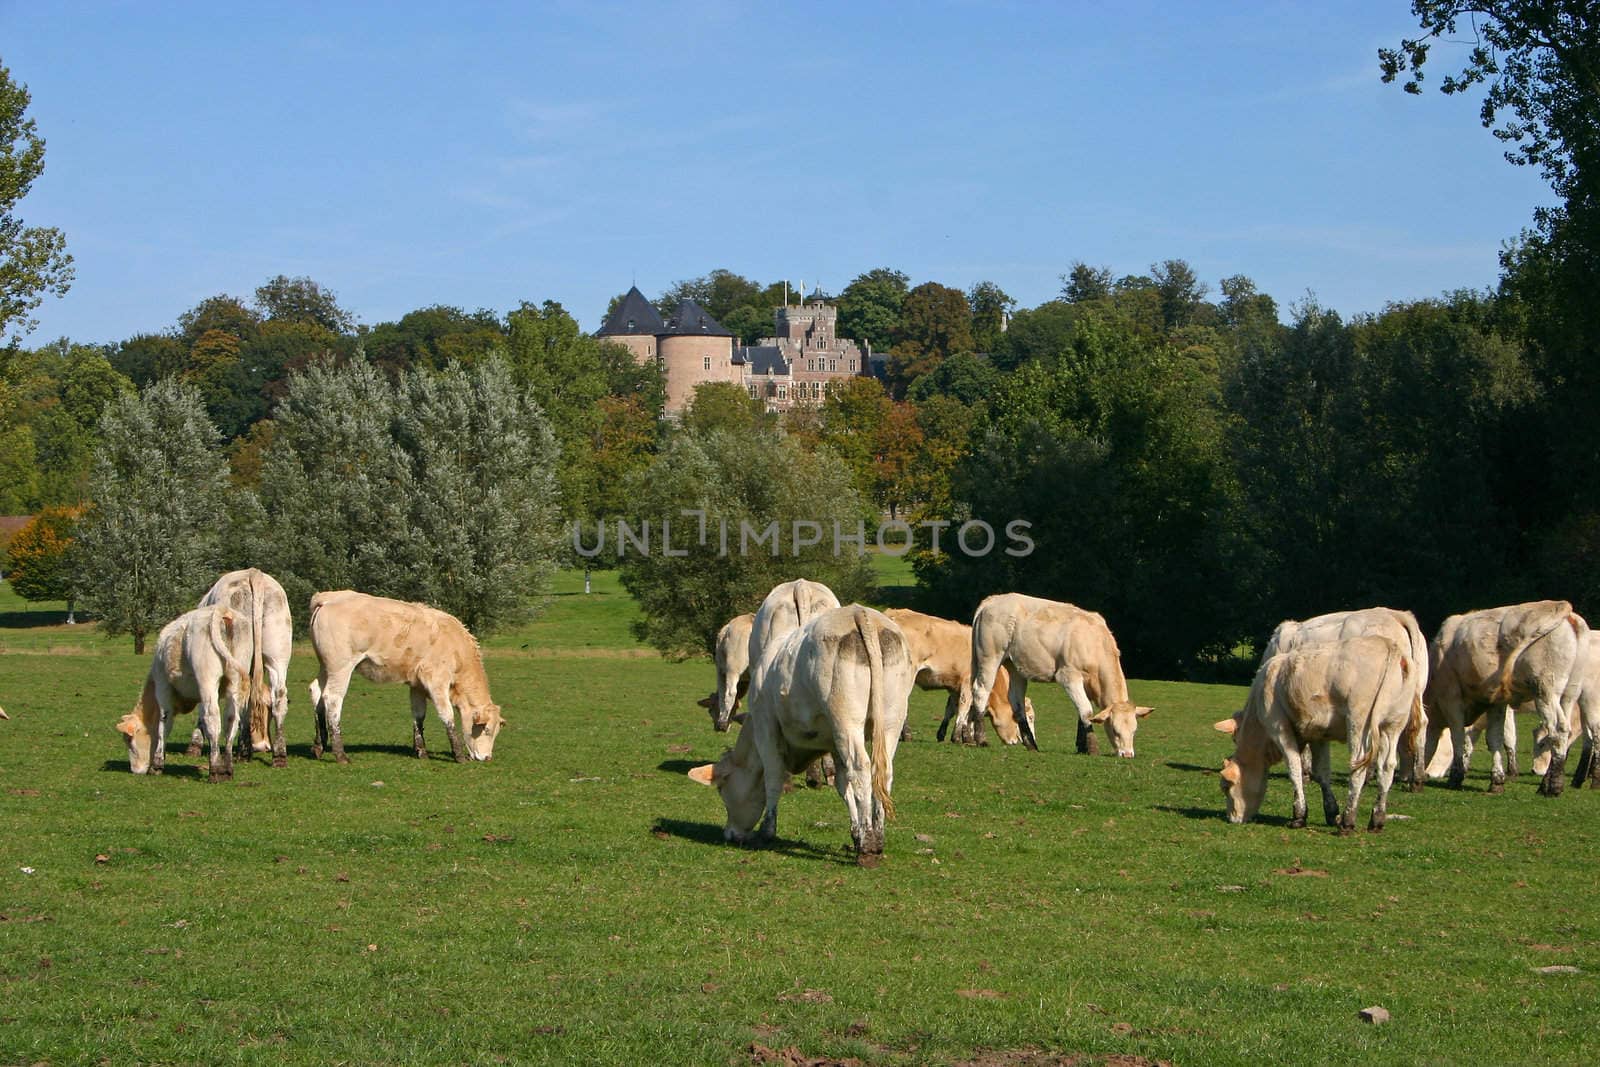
[1322,771]
[1508,741]
[1388,760]
[1358,781]
[855,786]
[165,700]
[419,713]
[439,693]
[196,742]
[983,672]
[1494,733]
[280,712]
[1080,699]
[1463,752]
[210,718]
[329,710]
[1555,779]
[1294,761]
[1588,763]
[235,721]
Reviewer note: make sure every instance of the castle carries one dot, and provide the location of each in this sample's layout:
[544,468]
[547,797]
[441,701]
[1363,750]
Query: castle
[804,362]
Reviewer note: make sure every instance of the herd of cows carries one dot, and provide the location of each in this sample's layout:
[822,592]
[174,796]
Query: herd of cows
[830,683]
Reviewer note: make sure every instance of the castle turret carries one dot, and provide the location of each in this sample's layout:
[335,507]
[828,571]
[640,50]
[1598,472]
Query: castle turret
[694,348]
[635,325]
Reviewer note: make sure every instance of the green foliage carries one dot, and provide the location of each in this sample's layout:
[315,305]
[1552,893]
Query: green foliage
[963,377]
[33,259]
[935,323]
[151,541]
[51,399]
[1085,283]
[990,307]
[725,407]
[432,337]
[756,479]
[43,556]
[870,306]
[149,357]
[485,511]
[301,300]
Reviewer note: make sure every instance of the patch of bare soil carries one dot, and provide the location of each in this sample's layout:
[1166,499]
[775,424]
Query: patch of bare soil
[1032,1057]
[793,1057]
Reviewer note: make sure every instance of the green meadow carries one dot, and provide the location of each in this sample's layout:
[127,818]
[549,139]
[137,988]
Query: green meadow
[573,901]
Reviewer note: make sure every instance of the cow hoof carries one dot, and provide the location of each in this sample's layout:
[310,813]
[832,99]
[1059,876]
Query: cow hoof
[1297,823]
[1455,779]
[1548,788]
[280,761]
[1497,787]
[192,750]
[1415,785]
[316,751]
[422,753]
[221,776]
[1347,825]
[1376,823]
[340,757]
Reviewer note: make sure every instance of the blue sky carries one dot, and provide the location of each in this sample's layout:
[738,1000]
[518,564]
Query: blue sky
[484,154]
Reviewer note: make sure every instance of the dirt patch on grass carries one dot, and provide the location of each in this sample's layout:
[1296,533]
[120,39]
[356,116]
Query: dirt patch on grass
[1033,1057]
[793,1057]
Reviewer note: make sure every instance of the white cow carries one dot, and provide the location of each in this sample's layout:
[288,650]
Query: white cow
[788,607]
[1483,661]
[733,670]
[202,658]
[1359,691]
[257,596]
[838,684]
[1401,628]
[1046,640]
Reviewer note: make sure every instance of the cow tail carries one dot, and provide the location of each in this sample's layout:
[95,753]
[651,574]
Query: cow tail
[1374,726]
[260,696]
[222,641]
[875,722]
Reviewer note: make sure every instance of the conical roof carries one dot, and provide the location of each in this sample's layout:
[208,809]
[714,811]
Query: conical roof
[634,315]
[690,317]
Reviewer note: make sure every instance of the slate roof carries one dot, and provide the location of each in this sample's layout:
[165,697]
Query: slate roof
[635,315]
[690,318]
[763,359]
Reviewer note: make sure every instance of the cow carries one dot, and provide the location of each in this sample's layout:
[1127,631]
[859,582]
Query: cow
[394,641]
[1046,640]
[202,658]
[1400,627]
[1484,660]
[839,683]
[1358,690]
[785,609]
[943,651]
[1583,717]
[257,596]
[733,670]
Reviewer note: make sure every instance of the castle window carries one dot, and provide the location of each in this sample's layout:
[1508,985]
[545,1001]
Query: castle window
[783,392]
[708,363]
[852,365]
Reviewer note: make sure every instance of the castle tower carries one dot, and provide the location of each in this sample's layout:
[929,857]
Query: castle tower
[634,325]
[694,347]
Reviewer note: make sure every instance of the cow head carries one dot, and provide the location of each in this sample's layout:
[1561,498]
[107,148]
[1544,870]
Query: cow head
[1121,720]
[133,731]
[481,728]
[742,784]
[1006,727]
[1244,774]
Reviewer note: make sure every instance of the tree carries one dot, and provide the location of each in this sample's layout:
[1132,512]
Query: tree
[965,377]
[33,259]
[724,406]
[220,312]
[938,320]
[869,307]
[1539,60]
[752,482]
[1182,292]
[149,357]
[1085,283]
[484,512]
[991,310]
[851,418]
[433,336]
[43,556]
[284,299]
[150,540]
[338,487]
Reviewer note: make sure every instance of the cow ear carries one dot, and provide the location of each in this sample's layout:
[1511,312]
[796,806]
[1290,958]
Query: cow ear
[3,714]
[1101,716]
[1230,771]
[704,702]
[1142,712]
[703,773]
[1226,726]
[126,726]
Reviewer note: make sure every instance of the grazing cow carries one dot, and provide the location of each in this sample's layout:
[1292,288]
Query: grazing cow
[1484,660]
[837,684]
[943,652]
[788,607]
[1358,690]
[393,641]
[1401,628]
[257,596]
[200,656]
[1045,640]
[733,670]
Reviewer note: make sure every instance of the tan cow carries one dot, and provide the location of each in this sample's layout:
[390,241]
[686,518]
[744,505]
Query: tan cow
[257,596]
[942,649]
[1046,640]
[733,670]
[1484,660]
[201,658]
[837,684]
[1359,691]
[394,641]
[1401,628]
[787,608]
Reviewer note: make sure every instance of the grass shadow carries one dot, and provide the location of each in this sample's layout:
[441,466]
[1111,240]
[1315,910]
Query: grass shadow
[680,766]
[28,620]
[1203,814]
[704,833]
[1191,767]
[170,770]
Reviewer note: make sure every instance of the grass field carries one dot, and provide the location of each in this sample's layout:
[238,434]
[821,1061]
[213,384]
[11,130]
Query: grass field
[572,901]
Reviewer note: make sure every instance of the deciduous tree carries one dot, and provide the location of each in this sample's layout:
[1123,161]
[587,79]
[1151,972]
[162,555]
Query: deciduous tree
[33,259]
